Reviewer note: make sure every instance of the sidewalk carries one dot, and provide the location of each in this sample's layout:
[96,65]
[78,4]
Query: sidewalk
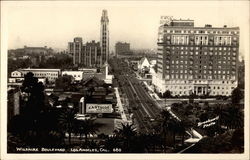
[119,103]
[153,94]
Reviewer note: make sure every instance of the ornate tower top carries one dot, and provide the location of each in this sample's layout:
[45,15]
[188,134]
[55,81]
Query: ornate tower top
[104,16]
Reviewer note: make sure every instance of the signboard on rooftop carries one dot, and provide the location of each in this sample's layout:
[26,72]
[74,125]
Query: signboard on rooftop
[98,108]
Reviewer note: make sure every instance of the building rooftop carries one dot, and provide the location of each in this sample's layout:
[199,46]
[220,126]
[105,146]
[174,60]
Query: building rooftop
[39,69]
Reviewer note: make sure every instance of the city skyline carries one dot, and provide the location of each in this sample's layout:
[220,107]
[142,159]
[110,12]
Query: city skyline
[133,22]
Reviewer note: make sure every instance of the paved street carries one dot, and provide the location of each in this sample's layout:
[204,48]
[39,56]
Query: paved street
[143,106]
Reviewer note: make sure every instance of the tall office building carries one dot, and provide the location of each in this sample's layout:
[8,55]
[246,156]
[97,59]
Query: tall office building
[91,55]
[85,55]
[104,38]
[75,49]
[199,60]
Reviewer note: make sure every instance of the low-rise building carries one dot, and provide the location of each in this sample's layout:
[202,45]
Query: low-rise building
[77,75]
[143,63]
[43,75]
[50,74]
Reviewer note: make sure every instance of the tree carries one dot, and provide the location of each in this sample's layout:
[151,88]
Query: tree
[164,126]
[64,82]
[228,142]
[127,134]
[167,94]
[237,140]
[182,126]
[235,118]
[231,116]
[67,122]
[191,97]
[236,95]
[35,100]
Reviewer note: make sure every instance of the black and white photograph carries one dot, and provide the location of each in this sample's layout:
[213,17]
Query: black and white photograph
[125,80]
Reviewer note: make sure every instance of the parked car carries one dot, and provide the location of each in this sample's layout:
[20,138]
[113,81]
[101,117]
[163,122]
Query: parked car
[84,117]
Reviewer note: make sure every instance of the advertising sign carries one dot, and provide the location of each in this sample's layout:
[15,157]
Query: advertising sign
[99,108]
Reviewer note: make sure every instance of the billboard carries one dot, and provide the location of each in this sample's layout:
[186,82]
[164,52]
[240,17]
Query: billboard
[98,108]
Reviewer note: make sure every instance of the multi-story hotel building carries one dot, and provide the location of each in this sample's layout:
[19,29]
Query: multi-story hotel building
[199,60]
[104,38]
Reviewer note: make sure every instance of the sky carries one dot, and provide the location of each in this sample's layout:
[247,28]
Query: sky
[55,23]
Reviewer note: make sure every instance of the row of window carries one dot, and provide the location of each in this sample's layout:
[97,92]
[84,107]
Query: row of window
[190,87]
[191,61]
[202,31]
[177,76]
[187,92]
[199,48]
[201,53]
[200,71]
[210,67]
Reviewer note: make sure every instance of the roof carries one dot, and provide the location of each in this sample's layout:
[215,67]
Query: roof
[39,69]
[98,81]
[143,59]
[68,71]
[211,28]
[36,48]
[100,76]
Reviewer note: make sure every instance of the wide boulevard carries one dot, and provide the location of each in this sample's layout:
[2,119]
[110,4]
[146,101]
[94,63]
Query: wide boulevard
[144,108]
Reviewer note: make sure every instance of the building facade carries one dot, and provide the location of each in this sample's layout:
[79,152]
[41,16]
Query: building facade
[122,48]
[77,75]
[32,51]
[104,38]
[198,60]
[75,49]
[92,55]
[50,74]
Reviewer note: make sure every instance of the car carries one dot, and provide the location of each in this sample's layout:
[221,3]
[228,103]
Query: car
[152,119]
[84,117]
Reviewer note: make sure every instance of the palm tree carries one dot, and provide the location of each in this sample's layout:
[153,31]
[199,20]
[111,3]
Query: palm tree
[232,117]
[112,142]
[67,122]
[182,126]
[223,115]
[165,125]
[127,133]
[236,118]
